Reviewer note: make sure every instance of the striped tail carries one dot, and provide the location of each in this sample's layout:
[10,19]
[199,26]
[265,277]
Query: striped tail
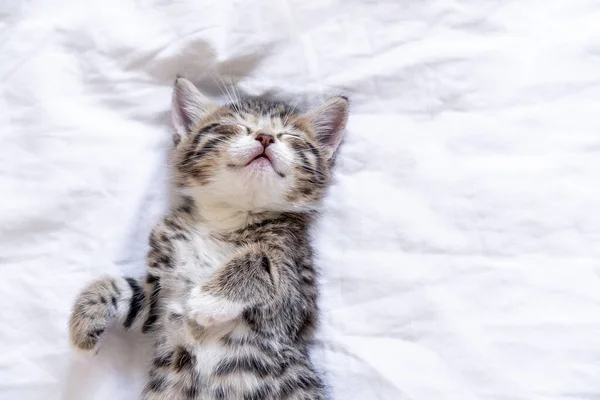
[107,301]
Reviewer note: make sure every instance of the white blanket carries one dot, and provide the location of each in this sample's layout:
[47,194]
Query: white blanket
[460,244]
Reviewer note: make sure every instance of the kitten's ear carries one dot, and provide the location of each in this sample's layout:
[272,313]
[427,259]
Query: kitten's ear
[187,108]
[329,121]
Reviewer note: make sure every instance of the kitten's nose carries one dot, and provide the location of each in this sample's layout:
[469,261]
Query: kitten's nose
[265,139]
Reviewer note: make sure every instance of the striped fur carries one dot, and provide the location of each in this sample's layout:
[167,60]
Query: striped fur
[231,290]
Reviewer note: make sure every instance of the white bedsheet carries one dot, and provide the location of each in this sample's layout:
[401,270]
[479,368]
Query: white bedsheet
[460,245]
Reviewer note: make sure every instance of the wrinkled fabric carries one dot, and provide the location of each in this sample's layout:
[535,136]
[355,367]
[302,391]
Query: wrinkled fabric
[459,245]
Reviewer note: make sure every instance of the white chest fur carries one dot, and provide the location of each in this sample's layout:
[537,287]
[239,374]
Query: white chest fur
[194,262]
[200,257]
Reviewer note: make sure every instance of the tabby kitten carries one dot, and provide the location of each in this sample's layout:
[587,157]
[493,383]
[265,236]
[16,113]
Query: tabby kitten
[231,293]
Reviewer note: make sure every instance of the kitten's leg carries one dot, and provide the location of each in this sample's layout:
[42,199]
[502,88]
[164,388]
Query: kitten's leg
[129,301]
[108,300]
[248,279]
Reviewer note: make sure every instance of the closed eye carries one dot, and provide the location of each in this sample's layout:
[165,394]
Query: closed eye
[285,134]
[248,131]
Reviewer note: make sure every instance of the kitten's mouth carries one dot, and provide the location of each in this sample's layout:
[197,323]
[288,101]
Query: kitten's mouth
[262,157]
[261,160]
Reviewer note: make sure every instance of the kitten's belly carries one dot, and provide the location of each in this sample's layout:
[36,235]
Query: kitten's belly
[207,344]
[210,351]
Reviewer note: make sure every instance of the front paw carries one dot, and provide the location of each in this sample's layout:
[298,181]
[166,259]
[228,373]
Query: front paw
[93,311]
[207,310]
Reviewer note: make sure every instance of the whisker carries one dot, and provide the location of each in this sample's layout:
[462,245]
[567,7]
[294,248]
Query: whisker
[234,85]
[290,111]
[232,100]
[223,89]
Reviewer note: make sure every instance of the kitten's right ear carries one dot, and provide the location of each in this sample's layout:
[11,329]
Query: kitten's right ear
[187,108]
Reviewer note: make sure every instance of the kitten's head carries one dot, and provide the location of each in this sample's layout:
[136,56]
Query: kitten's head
[254,155]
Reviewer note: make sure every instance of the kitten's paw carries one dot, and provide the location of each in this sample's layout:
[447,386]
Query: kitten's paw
[94,309]
[208,310]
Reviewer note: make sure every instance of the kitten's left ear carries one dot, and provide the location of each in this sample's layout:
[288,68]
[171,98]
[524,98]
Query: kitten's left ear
[329,121]
[187,108]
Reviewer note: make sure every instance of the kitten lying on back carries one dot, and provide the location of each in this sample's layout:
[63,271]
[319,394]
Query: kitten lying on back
[231,292]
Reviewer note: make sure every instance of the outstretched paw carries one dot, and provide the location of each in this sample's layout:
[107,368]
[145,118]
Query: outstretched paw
[94,310]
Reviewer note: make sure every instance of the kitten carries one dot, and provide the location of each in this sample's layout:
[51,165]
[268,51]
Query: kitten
[231,292]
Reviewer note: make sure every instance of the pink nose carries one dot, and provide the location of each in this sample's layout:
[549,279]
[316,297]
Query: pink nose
[265,139]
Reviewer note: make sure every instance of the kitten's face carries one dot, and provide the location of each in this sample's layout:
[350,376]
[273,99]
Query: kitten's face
[255,155]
